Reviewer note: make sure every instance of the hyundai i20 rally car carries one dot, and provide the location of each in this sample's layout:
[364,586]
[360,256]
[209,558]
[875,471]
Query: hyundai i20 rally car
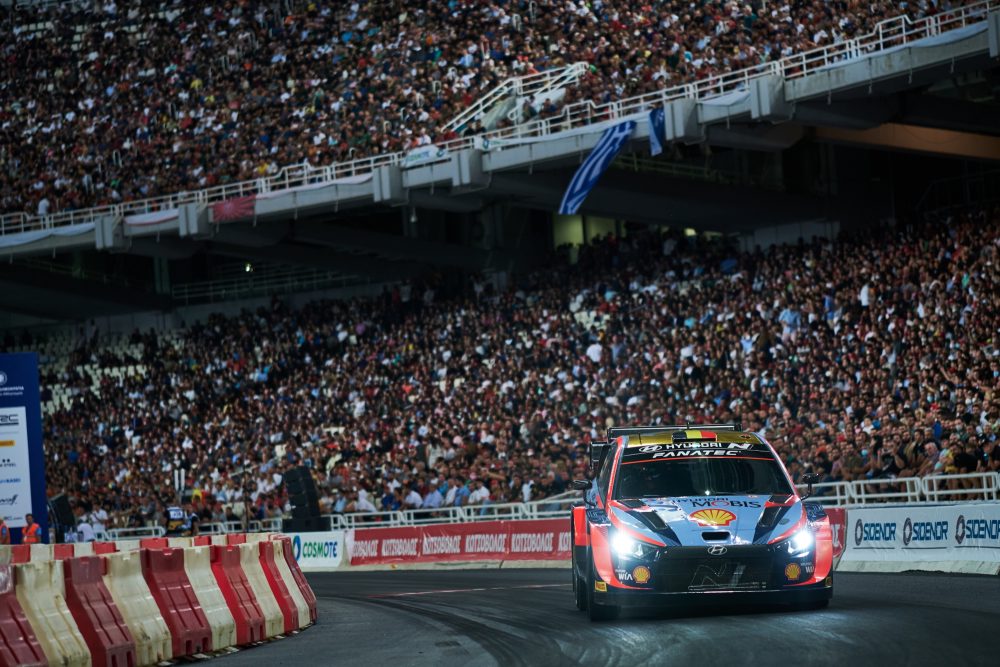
[684,514]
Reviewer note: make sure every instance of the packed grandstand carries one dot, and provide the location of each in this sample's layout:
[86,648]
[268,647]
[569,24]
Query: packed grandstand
[871,356]
[111,102]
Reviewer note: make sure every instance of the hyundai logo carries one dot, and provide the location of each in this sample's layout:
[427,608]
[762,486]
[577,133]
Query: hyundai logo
[717,550]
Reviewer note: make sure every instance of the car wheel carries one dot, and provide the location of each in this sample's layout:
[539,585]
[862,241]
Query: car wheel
[579,585]
[598,612]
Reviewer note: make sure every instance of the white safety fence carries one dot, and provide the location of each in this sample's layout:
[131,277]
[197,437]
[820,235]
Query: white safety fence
[547,508]
[888,34]
[859,493]
[934,488]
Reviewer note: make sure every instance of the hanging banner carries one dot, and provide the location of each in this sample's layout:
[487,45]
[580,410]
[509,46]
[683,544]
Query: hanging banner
[22,465]
[587,175]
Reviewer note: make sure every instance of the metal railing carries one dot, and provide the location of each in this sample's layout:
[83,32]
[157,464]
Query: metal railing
[828,493]
[887,34]
[278,282]
[980,486]
[134,533]
[554,506]
[969,486]
[932,488]
[519,86]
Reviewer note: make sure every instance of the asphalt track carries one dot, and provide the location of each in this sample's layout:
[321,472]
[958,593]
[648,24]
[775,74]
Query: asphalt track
[526,617]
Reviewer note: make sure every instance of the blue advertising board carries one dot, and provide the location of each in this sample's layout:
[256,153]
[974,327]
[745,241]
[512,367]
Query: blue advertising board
[22,464]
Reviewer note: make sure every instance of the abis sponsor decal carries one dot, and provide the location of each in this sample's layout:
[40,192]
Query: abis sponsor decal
[8,501]
[874,531]
[712,517]
[976,529]
[532,542]
[486,543]
[397,547]
[443,544]
[924,531]
[393,547]
[9,419]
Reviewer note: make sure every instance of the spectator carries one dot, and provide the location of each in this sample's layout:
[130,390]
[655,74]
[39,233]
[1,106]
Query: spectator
[171,96]
[500,386]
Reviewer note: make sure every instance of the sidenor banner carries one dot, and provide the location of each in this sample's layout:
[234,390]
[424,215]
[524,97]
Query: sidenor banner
[540,539]
[961,537]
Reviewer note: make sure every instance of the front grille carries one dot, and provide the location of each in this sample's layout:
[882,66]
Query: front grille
[697,575]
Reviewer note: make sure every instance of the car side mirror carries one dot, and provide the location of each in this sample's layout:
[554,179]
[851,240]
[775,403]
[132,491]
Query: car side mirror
[809,479]
[581,484]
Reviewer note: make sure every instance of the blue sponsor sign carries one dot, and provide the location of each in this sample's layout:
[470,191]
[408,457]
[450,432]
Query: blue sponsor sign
[22,464]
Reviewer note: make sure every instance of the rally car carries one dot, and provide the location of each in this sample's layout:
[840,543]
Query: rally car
[695,513]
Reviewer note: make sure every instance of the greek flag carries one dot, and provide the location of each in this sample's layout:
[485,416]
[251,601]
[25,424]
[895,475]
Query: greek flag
[657,131]
[586,177]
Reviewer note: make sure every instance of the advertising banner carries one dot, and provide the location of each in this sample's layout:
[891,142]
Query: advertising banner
[22,466]
[318,552]
[953,538]
[838,528]
[541,539]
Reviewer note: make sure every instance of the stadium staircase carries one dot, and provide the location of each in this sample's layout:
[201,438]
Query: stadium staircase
[507,98]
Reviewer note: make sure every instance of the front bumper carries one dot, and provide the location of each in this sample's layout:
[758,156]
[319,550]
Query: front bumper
[757,574]
[642,598]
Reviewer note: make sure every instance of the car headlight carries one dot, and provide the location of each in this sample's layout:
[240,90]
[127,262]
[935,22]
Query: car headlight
[626,547]
[801,542]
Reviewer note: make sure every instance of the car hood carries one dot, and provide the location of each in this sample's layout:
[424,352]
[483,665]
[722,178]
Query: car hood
[700,520]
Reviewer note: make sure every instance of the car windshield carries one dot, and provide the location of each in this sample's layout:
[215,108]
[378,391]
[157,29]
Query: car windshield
[700,477]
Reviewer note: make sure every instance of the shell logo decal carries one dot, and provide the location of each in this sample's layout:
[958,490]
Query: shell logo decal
[641,574]
[792,571]
[712,517]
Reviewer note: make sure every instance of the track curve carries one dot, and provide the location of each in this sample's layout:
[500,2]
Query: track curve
[526,617]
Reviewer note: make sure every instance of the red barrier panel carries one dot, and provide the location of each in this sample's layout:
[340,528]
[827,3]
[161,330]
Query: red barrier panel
[300,580]
[18,645]
[539,539]
[238,538]
[289,611]
[20,553]
[164,572]
[154,543]
[96,615]
[105,548]
[238,594]
[62,551]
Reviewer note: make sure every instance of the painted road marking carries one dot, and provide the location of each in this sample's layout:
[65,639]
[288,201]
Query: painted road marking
[468,590]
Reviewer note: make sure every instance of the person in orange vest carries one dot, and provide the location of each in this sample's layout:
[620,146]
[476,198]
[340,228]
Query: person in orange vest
[4,532]
[32,533]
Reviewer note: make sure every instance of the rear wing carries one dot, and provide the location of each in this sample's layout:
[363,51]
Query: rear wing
[640,430]
[598,450]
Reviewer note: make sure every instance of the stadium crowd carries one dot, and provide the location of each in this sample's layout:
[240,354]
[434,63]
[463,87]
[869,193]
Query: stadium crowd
[873,356]
[109,101]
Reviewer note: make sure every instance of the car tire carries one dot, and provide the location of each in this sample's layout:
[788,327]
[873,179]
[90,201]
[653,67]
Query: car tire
[598,612]
[579,586]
